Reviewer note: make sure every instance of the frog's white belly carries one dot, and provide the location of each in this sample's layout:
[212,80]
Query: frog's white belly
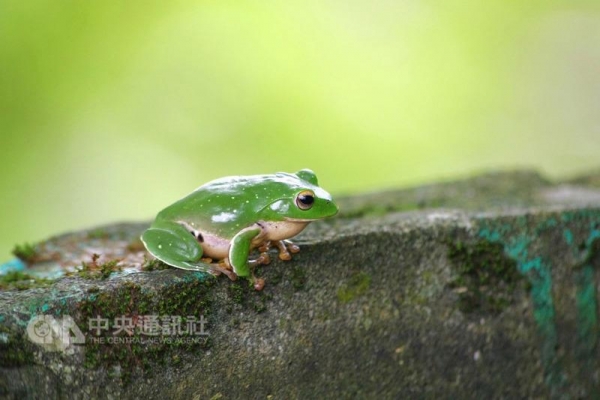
[217,247]
[281,230]
[214,247]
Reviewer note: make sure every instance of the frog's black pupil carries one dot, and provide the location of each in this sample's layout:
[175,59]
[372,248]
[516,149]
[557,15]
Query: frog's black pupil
[306,199]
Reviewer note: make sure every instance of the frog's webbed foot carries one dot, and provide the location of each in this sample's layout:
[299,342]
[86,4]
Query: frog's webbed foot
[285,248]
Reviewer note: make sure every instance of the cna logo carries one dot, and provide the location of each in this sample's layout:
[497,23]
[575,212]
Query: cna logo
[55,334]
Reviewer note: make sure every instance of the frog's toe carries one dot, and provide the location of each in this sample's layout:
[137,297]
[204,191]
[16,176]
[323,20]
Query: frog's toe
[292,248]
[285,248]
[259,284]
[264,258]
[264,247]
[218,270]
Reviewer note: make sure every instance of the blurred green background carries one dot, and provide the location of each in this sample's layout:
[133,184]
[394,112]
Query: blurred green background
[111,110]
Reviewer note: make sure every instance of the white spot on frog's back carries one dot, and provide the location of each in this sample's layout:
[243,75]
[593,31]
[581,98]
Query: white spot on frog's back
[280,206]
[223,217]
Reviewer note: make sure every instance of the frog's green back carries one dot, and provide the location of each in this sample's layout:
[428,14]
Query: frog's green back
[227,205]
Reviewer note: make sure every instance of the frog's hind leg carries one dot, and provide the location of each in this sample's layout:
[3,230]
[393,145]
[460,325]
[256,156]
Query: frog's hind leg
[172,244]
[225,268]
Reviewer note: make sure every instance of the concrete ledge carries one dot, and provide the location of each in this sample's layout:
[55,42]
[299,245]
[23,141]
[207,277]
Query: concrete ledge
[485,287]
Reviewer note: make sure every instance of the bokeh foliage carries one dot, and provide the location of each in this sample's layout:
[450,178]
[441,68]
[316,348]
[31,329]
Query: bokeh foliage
[110,110]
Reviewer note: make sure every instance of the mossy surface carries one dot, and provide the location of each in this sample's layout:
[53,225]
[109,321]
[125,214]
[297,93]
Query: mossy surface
[482,192]
[154,265]
[26,252]
[133,349]
[18,280]
[14,350]
[96,270]
[187,299]
[486,276]
[377,210]
[401,304]
[243,296]
[99,233]
[356,285]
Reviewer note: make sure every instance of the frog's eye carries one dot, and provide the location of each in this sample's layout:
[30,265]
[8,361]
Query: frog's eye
[305,200]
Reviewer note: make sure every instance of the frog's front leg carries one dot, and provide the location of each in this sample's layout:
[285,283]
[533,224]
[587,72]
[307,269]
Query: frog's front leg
[172,244]
[241,244]
[239,250]
[285,248]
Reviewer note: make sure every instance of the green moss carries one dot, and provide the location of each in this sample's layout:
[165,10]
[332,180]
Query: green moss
[244,295]
[153,265]
[378,210]
[98,234]
[94,270]
[184,299]
[236,293]
[26,251]
[18,280]
[357,285]
[298,279]
[260,302]
[109,267]
[486,276]
[15,350]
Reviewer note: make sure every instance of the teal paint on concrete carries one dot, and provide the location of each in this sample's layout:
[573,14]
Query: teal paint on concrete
[587,317]
[568,235]
[516,244]
[587,303]
[594,233]
[517,241]
[196,275]
[12,265]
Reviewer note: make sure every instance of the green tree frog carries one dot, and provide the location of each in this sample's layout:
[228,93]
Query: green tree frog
[225,219]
